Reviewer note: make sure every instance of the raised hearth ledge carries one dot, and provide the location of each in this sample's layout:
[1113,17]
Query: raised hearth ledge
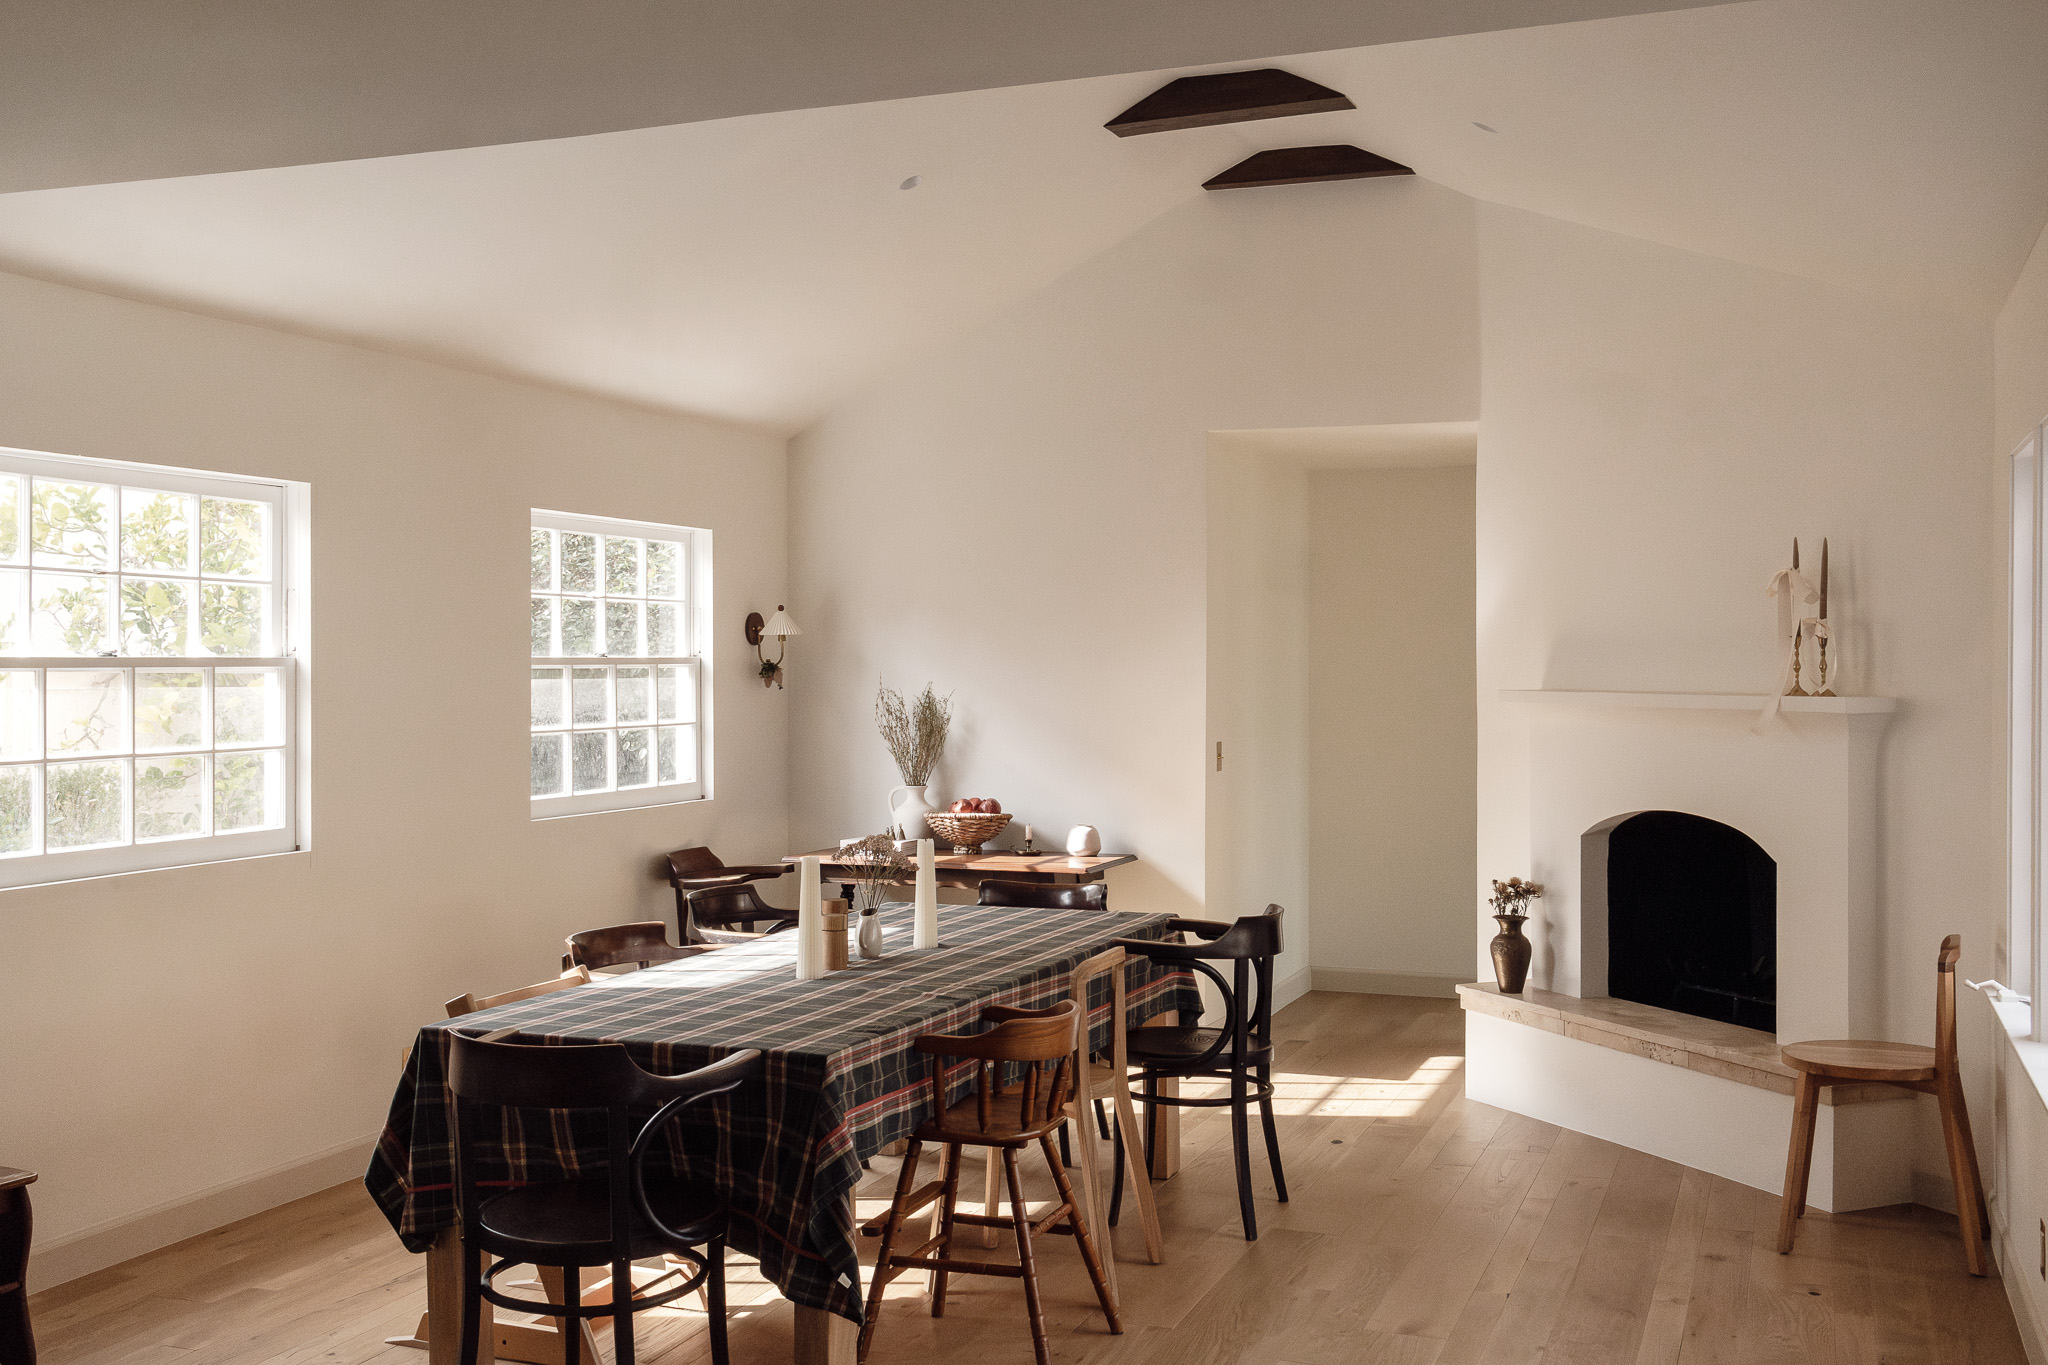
[1704,701]
[1745,1055]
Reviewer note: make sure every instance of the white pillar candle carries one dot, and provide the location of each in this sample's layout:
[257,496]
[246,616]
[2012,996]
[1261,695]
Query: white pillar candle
[925,926]
[810,921]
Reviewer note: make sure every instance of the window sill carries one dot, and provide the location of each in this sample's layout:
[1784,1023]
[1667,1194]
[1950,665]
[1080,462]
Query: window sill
[2017,1021]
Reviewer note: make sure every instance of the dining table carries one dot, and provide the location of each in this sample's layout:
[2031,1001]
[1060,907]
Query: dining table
[840,1081]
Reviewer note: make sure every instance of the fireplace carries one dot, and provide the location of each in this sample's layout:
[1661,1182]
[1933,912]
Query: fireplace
[1691,907]
[1676,910]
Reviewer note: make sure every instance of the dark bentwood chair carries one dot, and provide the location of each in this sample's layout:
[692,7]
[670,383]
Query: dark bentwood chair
[17,1342]
[1045,896]
[623,945]
[1008,1120]
[729,914]
[1240,1052]
[624,1215]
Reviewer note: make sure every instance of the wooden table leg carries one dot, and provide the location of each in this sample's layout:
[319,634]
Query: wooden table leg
[444,1306]
[1165,1154]
[822,1336]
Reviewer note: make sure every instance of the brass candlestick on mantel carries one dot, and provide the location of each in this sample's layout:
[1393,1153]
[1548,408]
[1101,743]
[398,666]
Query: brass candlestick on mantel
[1798,631]
[1822,687]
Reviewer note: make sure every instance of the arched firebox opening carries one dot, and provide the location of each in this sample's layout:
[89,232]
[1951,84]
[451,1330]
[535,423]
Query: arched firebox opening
[1692,915]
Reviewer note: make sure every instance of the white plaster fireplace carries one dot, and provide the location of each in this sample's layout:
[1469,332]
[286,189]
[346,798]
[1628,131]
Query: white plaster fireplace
[1707,1094]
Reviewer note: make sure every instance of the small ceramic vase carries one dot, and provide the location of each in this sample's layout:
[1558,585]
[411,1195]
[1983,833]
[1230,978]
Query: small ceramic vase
[1083,841]
[871,936]
[1511,954]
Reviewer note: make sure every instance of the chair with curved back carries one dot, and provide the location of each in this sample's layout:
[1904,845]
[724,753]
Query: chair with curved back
[1240,1052]
[699,869]
[1042,1044]
[624,945]
[624,1214]
[1045,895]
[1912,1065]
[729,914]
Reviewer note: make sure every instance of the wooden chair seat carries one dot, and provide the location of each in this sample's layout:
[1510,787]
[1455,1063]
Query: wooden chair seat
[1852,1059]
[1008,1124]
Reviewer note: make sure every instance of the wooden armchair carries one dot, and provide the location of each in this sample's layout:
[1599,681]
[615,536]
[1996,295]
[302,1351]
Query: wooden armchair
[699,869]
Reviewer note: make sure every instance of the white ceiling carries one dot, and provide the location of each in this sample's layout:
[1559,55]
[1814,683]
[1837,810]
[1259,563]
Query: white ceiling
[759,268]
[93,91]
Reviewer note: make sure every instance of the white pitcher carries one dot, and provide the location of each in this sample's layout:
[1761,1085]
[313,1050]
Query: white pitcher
[910,812]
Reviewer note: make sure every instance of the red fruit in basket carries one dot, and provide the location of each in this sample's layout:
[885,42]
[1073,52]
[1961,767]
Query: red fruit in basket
[991,806]
[964,806]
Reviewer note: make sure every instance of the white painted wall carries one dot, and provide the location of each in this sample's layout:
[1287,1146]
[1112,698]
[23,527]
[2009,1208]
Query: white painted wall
[174,1032]
[1393,757]
[1256,812]
[1656,426]
[1022,517]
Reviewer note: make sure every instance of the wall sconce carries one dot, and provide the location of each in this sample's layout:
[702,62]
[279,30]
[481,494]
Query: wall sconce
[781,627]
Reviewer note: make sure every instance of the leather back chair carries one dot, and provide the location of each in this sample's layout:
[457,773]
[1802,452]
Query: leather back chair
[1045,896]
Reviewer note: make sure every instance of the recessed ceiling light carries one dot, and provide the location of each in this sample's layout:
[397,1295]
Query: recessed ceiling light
[1484,129]
[911,183]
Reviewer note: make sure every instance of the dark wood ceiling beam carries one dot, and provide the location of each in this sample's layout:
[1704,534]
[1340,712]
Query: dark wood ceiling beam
[1226,97]
[1304,166]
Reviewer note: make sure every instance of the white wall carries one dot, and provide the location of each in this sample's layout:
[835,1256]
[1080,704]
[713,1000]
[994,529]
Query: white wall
[1022,516]
[173,1032]
[1392,795]
[1256,812]
[1656,427]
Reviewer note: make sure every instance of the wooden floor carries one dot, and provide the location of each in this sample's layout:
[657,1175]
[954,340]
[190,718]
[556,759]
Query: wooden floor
[1424,1230]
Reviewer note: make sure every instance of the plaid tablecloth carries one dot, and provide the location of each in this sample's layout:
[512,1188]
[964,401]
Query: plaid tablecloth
[840,1080]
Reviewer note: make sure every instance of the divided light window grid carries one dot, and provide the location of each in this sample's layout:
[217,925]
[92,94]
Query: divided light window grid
[615,676]
[145,706]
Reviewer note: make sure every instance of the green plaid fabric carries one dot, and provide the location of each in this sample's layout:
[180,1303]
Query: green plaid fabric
[839,1079]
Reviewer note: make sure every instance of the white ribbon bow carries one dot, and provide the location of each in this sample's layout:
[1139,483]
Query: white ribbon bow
[1788,586]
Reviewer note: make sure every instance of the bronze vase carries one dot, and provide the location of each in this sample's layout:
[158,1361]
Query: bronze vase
[1511,953]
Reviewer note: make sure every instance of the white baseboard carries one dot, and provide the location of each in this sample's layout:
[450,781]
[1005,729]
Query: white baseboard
[2012,1265]
[121,1239]
[1287,991]
[1385,983]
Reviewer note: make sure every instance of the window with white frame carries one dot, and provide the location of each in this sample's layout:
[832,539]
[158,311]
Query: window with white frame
[616,681]
[146,695]
[2026,947]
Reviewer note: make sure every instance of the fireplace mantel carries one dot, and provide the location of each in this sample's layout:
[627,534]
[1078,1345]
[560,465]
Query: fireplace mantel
[1705,701]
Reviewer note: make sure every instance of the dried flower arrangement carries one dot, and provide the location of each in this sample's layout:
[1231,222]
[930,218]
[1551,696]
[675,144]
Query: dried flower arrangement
[914,730]
[1512,897]
[871,866]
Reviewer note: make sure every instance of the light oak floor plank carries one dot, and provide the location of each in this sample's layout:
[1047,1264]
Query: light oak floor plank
[1424,1229]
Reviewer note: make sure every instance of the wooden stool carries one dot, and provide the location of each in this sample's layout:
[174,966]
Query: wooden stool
[1929,1069]
[1008,1120]
[17,1342]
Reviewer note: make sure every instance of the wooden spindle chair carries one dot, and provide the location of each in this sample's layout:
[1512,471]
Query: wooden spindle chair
[1007,1119]
[624,945]
[1928,1069]
[470,1003]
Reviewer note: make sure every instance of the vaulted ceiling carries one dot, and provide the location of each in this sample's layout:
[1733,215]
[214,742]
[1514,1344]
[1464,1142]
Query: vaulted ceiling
[758,268]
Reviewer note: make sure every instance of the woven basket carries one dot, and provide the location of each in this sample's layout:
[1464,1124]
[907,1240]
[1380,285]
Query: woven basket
[967,833]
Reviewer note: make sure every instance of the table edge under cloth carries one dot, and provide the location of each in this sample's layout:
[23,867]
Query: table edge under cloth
[836,1137]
